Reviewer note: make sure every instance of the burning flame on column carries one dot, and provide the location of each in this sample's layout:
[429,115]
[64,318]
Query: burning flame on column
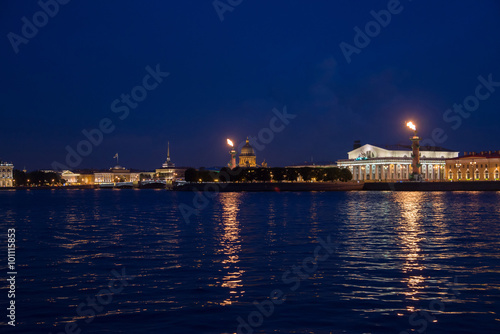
[415,147]
[232,164]
[411,126]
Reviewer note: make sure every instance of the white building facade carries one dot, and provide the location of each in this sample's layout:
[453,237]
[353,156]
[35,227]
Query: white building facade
[116,174]
[373,163]
[70,177]
[6,175]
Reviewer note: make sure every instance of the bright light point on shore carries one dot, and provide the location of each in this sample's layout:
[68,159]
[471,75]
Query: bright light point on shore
[229,142]
[411,125]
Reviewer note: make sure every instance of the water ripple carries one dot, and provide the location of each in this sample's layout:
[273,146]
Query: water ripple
[399,257]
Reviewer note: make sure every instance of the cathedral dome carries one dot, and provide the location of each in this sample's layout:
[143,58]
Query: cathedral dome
[247,150]
[247,156]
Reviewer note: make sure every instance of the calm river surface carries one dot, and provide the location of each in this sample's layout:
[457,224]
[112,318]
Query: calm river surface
[126,261]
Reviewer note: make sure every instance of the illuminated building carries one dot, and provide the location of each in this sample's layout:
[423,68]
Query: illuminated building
[483,166]
[169,172]
[393,163]
[69,177]
[247,156]
[72,178]
[6,174]
[86,178]
[116,174]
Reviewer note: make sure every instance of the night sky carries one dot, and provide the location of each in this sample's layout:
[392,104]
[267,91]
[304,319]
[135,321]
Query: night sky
[226,77]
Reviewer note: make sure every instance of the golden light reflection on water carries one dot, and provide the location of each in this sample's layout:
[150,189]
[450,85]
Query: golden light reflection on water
[231,246]
[410,233]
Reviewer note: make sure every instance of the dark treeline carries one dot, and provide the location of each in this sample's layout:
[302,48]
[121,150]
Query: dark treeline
[36,178]
[277,174]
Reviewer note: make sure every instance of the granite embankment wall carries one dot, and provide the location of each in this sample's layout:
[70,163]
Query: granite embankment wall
[272,186]
[318,186]
[434,186]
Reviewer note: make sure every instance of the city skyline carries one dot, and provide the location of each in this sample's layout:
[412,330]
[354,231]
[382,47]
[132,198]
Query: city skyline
[145,74]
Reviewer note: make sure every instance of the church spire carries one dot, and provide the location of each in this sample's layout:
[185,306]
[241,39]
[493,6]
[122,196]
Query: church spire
[168,163]
[168,151]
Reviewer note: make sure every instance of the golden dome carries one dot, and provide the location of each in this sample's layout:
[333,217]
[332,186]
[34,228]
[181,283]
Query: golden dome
[247,150]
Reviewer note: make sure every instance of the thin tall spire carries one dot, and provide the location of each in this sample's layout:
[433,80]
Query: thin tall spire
[168,163]
[168,151]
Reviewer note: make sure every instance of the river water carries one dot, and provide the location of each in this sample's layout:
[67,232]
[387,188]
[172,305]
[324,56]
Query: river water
[128,261]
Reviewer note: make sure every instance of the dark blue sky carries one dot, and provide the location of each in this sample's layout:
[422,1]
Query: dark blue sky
[227,76]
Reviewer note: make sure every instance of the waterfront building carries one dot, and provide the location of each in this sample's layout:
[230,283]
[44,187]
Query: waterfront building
[116,174]
[86,178]
[147,176]
[6,174]
[169,172]
[80,177]
[393,163]
[247,156]
[69,177]
[482,166]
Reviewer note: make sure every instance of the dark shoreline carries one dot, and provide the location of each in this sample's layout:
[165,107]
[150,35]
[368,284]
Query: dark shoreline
[310,186]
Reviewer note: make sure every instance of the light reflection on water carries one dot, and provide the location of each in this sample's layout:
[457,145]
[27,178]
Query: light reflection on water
[231,246]
[397,253]
[411,234]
